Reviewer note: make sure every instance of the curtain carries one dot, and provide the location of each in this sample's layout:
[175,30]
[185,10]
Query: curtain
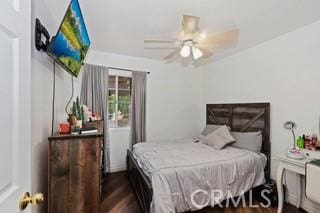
[94,94]
[138,111]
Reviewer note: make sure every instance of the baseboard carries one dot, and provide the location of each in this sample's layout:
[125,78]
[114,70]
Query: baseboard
[118,168]
[306,204]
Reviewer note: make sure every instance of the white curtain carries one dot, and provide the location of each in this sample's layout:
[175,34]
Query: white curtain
[94,89]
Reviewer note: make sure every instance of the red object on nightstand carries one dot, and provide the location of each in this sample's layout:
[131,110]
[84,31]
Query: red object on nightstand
[64,128]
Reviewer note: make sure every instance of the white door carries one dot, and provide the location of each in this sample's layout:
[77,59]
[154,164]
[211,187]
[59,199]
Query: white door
[15,103]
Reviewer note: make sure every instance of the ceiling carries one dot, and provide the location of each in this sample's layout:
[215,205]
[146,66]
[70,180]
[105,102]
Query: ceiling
[119,26]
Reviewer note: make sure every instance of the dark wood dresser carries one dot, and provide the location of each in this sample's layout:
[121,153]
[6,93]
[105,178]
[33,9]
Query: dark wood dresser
[75,171]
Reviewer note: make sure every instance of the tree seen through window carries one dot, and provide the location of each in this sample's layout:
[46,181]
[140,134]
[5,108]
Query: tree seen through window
[119,101]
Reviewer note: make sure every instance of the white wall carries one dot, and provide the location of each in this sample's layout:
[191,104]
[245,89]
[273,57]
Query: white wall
[285,72]
[42,78]
[173,101]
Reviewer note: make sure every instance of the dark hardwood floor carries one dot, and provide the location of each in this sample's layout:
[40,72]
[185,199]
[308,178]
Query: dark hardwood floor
[118,197]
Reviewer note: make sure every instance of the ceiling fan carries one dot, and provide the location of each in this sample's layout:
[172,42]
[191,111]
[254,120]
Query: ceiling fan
[194,44]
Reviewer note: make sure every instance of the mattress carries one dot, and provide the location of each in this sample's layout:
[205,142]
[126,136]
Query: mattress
[180,169]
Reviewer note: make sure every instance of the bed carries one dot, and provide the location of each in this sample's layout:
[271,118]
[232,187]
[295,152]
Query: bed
[156,170]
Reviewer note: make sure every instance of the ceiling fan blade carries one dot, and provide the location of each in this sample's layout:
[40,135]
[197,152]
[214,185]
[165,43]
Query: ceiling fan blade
[220,40]
[172,55]
[190,24]
[159,41]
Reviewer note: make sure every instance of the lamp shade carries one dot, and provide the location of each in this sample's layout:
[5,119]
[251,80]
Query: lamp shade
[197,53]
[290,125]
[185,51]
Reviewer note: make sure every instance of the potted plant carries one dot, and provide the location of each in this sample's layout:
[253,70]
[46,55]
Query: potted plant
[76,118]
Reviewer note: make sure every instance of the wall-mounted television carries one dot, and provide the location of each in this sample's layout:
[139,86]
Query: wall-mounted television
[70,45]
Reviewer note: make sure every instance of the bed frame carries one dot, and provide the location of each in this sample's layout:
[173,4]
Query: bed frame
[243,117]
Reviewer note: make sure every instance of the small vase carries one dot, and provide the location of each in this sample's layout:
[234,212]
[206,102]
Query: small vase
[72,120]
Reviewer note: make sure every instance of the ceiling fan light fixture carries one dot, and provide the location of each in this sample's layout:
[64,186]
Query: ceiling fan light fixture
[193,44]
[197,53]
[185,51]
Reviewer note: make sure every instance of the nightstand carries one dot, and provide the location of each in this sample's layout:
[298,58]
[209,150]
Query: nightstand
[296,166]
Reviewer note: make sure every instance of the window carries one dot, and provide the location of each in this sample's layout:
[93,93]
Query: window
[119,100]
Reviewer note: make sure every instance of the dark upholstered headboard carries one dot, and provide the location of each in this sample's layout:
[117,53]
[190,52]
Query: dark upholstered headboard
[244,117]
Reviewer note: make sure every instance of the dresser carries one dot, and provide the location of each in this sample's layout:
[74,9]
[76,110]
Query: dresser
[75,171]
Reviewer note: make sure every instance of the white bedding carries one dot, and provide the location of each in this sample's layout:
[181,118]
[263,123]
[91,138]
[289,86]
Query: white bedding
[178,168]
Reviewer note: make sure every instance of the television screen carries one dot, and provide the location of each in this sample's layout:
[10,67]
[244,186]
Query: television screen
[70,45]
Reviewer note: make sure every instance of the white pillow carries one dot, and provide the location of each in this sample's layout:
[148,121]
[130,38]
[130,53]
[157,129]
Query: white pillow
[251,141]
[219,138]
[211,128]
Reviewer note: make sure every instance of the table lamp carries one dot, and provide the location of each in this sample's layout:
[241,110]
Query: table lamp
[293,152]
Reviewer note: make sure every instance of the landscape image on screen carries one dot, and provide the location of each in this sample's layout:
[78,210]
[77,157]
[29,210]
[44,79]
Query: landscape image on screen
[72,42]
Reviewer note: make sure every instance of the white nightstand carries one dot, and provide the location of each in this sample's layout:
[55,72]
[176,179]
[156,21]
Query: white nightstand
[296,166]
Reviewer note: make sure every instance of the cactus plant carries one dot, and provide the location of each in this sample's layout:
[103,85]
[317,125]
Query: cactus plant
[82,113]
[74,109]
[77,109]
